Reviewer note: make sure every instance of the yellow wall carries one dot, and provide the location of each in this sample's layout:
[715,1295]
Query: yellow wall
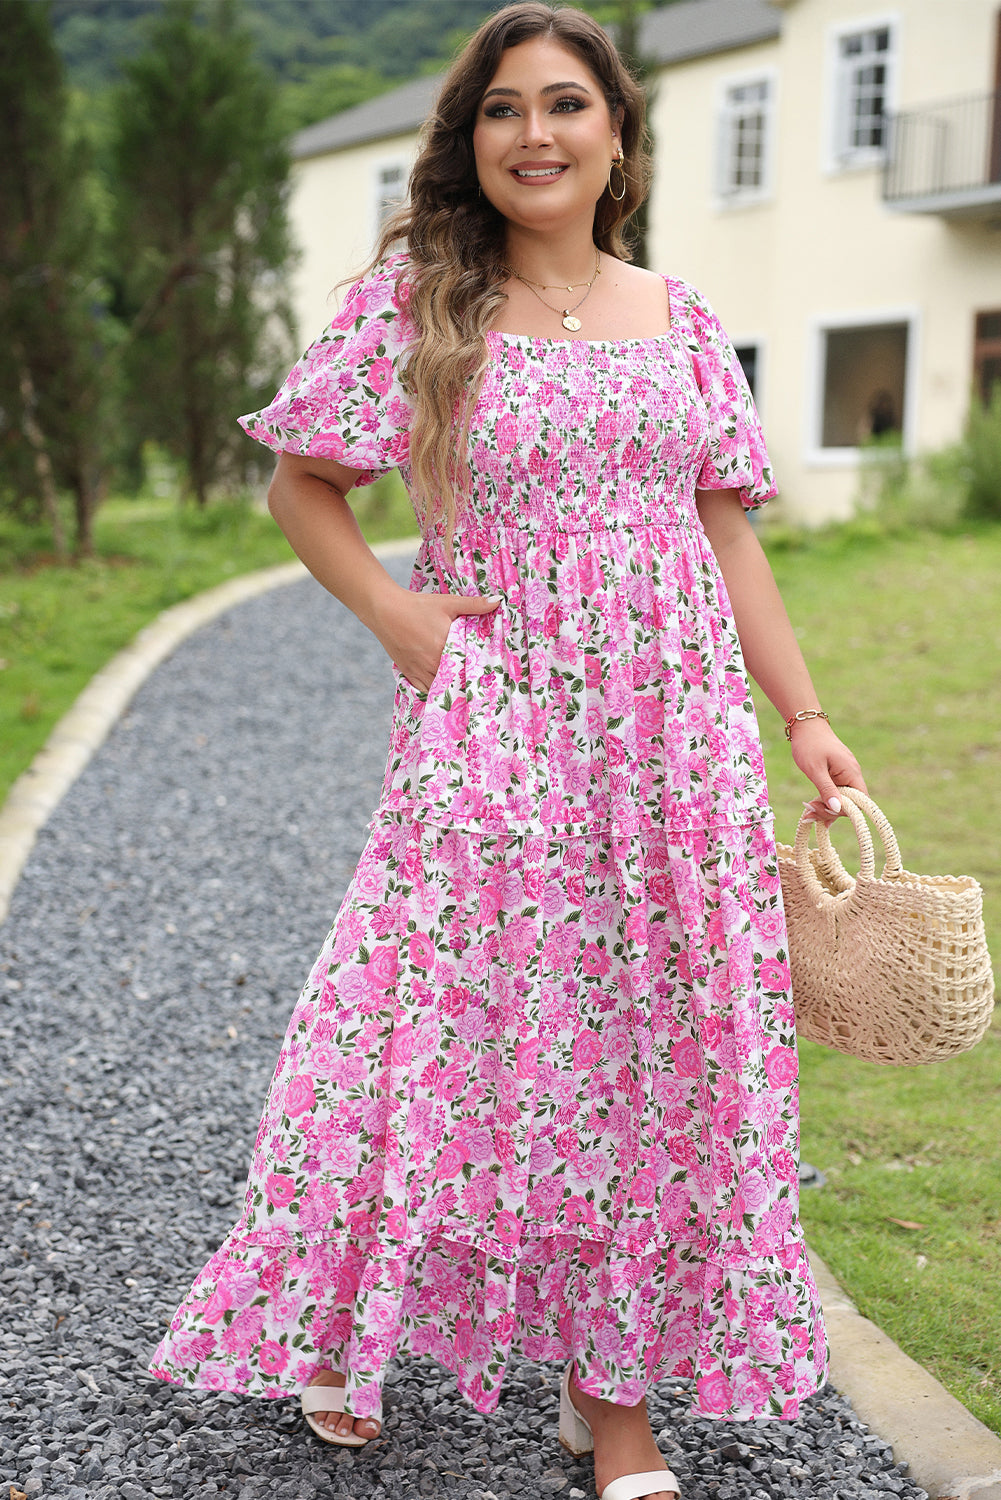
[823,247]
[332,217]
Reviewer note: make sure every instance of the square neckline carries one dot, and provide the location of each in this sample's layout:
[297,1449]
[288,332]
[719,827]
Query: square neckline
[543,338]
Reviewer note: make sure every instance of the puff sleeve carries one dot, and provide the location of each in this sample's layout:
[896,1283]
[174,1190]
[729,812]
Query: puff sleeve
[344,399]
[737,458]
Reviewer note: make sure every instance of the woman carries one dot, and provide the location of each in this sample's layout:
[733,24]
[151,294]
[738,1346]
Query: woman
[539,1090]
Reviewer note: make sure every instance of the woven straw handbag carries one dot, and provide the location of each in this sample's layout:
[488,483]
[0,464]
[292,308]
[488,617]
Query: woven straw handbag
[892,968]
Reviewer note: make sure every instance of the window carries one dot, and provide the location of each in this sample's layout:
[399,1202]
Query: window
[744,133]
[390,189]
[864,82]
[987,354]
[864,383]
[750,363]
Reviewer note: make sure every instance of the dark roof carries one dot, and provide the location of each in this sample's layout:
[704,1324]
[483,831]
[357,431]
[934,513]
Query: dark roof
[696,28]
[396,113]
[677,33]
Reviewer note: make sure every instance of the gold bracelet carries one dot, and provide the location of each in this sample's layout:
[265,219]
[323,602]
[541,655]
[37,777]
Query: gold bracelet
[804,713]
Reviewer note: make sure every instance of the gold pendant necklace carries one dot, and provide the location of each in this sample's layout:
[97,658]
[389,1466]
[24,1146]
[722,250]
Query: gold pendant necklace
[570,323]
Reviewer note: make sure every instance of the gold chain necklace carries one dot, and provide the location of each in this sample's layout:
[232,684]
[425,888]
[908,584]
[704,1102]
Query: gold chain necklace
[570,323]
[553,286]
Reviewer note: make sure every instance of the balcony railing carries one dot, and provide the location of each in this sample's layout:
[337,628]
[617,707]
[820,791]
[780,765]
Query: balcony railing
[946,158]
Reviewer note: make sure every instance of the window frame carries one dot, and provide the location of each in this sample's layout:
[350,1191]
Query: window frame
[726,196]
[817,456]
[398,162]
[838,155]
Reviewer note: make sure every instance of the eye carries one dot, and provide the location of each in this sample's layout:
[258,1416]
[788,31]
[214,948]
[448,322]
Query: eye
[498,111]
[570,100]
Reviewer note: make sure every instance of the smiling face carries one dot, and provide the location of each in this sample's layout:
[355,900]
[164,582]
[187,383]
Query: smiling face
[544,138]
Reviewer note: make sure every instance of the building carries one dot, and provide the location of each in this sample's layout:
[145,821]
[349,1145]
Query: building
[828,172]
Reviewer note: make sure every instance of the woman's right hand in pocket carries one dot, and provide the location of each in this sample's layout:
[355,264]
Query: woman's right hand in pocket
[413,629]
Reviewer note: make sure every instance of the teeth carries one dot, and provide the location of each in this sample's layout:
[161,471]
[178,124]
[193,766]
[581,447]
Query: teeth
[540,172]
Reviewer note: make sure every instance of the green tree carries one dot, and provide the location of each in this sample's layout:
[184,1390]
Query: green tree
[331,82]
[200,170]
[624,19]
[53,389]
[627,29]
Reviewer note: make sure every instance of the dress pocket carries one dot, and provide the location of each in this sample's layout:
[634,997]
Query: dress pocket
[449,670]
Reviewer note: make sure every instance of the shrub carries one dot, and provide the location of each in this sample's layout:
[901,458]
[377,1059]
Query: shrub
[898,493]
[935,491]
[982,459]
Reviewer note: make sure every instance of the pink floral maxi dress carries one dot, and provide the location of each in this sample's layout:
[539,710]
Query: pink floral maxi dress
[539,1090]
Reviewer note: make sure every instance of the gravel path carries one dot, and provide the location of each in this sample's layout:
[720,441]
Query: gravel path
[154,950]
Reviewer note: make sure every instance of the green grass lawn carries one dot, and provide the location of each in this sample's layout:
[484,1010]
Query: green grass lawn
[902,635]
[58,625]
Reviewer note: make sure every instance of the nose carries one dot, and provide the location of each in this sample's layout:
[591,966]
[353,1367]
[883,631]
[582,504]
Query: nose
[535,131]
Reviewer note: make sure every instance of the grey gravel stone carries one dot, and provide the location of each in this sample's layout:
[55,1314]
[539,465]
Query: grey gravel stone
[155,947]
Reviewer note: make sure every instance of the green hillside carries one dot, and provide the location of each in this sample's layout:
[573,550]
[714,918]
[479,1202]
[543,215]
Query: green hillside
[327,54]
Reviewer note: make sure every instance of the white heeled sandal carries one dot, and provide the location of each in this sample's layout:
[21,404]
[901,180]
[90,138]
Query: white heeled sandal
[577,1438]
[331,1398]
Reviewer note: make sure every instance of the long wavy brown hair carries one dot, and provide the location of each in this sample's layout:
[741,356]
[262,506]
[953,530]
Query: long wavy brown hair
[455,238]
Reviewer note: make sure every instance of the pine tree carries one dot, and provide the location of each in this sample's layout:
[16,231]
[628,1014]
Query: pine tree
[624,20]
[52,395]
[201,172]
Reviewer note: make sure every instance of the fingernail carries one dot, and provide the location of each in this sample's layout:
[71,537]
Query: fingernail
[835,804]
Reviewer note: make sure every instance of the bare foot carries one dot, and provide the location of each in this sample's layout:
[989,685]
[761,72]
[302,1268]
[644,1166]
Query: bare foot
[341,1421]
[623,1442]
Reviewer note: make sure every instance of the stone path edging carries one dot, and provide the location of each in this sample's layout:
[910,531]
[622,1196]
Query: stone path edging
[950,1453]
[39,789]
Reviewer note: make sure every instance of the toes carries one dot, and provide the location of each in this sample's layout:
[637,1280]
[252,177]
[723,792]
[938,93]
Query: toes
[344,1424]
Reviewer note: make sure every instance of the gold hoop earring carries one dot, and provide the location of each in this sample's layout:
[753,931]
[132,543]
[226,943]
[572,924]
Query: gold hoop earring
[617,162]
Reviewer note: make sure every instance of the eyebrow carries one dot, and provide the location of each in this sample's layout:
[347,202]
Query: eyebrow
[551,88]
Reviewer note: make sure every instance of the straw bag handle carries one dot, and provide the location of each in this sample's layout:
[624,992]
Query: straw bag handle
[857,807]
